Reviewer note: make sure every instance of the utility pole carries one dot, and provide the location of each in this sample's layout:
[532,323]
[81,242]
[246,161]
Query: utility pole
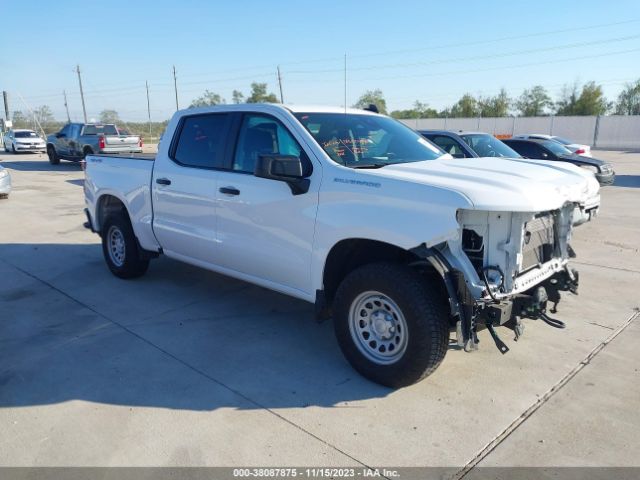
[148,106]
[175,86]
[345,83]
[66,106]
[280,83]
[84,109]
[5,96]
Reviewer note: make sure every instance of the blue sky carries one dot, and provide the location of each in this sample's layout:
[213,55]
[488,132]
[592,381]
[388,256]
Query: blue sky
[432,51]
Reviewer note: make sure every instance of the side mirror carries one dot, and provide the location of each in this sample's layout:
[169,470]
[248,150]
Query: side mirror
[61,135]
[283,168]
[457,155]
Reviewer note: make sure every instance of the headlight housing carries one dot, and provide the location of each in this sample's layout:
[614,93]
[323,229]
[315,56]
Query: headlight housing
[606,169]
[4,173]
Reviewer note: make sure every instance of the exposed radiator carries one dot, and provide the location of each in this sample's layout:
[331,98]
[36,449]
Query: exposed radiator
[539,241]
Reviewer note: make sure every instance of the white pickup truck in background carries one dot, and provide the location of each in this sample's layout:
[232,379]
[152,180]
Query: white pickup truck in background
[354,212]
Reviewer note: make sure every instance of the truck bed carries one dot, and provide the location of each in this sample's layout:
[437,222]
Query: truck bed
[128,178]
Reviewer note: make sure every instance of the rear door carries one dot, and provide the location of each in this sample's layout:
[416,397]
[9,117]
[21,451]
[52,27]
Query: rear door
[74,148]
[184,187]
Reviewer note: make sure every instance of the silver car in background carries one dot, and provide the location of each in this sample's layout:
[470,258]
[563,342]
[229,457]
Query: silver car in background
[23,140]
[5,182]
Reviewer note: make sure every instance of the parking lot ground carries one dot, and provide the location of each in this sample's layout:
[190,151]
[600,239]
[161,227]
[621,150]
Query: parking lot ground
[186,367]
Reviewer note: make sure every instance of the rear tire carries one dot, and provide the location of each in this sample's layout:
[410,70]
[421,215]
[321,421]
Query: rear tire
[86,151]
[120,248]
[54,159]
[391,323]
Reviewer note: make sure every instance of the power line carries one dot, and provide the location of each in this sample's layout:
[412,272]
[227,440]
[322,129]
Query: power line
[500,39]
[474,57]
[467,71]
[393,52]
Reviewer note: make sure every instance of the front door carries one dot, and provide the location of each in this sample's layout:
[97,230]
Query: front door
[264,231]
[62,141]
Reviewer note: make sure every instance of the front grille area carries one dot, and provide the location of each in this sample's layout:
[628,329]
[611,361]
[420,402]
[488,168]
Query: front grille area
[539,241]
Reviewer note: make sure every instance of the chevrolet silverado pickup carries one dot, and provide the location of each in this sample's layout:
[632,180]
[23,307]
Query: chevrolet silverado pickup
[77,140]
[396,241]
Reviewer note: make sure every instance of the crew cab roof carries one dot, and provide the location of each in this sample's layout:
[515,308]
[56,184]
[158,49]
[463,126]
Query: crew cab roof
[270,107]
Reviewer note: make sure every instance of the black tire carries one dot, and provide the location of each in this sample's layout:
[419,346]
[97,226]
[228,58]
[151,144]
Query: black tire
[425,312]
[132,264]
[13,149]
[85,152]
[54,159]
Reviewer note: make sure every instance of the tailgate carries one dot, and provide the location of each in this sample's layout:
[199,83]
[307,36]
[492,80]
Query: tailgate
[115,140]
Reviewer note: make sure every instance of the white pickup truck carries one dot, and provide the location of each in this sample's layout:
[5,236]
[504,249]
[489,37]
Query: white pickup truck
[396,241]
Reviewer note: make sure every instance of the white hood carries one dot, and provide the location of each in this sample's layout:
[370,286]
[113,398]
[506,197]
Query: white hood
[500,184]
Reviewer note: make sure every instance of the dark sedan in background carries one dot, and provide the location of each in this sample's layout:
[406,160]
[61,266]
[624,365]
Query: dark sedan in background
[542,149]
[469,144]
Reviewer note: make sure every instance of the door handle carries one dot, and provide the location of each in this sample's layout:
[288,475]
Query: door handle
[163,181]
[229,190]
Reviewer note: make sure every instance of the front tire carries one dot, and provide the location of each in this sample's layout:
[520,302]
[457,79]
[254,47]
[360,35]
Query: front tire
[120,248]
[13,149]
[54,159]
[391,323]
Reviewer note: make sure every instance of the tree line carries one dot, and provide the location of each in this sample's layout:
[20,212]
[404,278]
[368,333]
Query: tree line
[587,99]
[42,116]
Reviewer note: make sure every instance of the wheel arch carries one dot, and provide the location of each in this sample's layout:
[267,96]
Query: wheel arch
[349,254]
[106,204]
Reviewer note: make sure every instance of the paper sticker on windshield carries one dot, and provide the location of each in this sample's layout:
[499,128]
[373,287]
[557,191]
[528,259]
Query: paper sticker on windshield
[429,145]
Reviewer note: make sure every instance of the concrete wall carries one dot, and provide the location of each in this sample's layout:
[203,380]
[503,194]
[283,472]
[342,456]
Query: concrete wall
[615,131]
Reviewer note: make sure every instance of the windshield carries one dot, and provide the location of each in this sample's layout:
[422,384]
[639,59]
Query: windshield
[367,141]
[556,147]
[563,141]
[28,134]
[486,145]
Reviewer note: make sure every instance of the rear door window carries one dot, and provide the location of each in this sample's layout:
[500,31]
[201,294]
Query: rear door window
[202,141]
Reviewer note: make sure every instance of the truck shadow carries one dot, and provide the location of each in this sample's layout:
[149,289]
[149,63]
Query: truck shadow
[178,338]
[30,165]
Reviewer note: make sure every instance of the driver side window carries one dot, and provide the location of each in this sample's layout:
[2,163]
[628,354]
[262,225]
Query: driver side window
[264,135]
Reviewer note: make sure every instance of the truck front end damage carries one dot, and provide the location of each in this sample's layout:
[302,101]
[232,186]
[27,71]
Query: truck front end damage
[504,267]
